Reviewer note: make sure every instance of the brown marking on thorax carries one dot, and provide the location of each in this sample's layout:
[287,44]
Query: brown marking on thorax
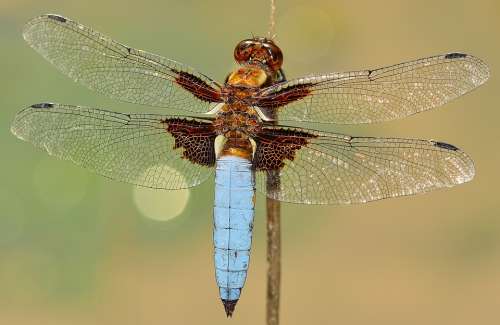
[237,117]
[236,114]
[247,76]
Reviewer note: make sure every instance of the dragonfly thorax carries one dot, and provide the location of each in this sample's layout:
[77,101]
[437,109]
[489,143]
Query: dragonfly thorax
[239,118]
[247,77]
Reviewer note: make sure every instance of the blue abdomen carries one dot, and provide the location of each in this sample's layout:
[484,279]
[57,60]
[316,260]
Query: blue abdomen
[233,222]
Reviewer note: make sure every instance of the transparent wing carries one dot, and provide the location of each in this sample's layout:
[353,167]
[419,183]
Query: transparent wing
[119,71]
[375,95]
[325,168]
[143,149]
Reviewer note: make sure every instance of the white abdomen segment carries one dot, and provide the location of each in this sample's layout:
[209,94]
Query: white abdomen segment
[233,223]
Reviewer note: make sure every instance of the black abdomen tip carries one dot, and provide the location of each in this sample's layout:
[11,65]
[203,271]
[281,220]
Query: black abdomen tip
[455,56]
[229,306]
[43,105]
[58,18]
[445,146]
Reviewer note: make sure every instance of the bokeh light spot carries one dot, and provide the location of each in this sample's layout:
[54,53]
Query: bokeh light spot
[160,205]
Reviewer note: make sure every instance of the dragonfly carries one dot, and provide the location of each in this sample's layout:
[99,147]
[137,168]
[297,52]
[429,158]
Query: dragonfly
[234,129]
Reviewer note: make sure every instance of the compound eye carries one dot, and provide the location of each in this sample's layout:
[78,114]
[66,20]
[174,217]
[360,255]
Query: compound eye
[275,59]
[243,51]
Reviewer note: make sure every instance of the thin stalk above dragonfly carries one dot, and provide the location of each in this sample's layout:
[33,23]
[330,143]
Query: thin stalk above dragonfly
[231,129]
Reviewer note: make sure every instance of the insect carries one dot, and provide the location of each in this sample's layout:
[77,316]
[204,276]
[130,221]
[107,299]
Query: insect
[233,129]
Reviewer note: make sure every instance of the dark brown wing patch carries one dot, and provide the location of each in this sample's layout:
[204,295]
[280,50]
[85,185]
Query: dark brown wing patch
[283,97]
[195,137]
[196,86]
[274,145]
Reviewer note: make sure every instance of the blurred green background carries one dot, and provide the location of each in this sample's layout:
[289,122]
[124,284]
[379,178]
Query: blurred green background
[76,248]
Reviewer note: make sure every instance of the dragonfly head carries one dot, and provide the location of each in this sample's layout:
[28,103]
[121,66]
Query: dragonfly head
[259,51]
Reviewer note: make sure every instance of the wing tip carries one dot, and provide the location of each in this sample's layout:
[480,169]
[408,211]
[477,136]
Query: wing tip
[32,22]
[15,131]
[482,69]
[468,171]
[469,176]
[17,126]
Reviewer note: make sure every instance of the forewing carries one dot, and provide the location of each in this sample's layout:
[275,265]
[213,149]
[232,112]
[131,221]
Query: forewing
[119,71]
[375,95]
[326,168]
[143,149]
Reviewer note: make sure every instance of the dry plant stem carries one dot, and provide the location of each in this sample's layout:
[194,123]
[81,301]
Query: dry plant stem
[273,225]
[273,252]
[272,20]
